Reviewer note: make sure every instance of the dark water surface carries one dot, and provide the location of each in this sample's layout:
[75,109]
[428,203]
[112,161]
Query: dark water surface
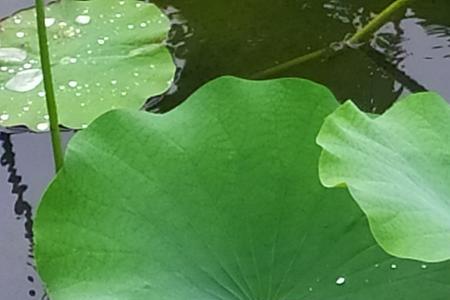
[241,37]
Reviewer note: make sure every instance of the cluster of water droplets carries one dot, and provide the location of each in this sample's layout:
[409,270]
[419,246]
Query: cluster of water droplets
[20,73]
[343,280]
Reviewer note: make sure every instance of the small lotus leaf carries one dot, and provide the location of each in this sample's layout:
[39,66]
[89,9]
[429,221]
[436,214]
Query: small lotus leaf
[105,54]
[397,168]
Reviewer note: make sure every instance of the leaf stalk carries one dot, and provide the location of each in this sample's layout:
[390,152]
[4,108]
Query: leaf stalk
[48,86]
[354,41]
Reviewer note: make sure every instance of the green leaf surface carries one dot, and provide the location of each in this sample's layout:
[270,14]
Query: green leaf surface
[105,54]
[218,199]
[397,168]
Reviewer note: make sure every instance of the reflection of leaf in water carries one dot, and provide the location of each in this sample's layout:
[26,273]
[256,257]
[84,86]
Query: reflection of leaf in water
[421,51]
[22,208]
[264,37]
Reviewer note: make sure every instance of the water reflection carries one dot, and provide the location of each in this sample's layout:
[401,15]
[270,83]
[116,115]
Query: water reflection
[213,38]
[423,52]
[413,51]
[14,249]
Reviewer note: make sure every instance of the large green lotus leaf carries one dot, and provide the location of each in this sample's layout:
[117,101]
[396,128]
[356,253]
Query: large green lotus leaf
[105,54]
[397,167]
[218,199]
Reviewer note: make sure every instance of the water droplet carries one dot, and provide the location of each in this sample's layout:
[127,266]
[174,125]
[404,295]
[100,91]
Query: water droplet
[83,19]
[41,94]
[340,281]
[12,55]
[424,266]
[70,32]
[27,66]
[101,41]
[113,82]
[4,69]
[20,34]
[4,117]
[130,26]
[42,126]
[143,24]
[68,60]
[393,266]
[49,22]
[73,83]
[62,25]
[26,108]
[25,81]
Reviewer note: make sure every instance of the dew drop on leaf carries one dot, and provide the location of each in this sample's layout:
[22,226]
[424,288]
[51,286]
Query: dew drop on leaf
[25,81]
[340,281]
[83,19]
[42,126]
[11,55]
[73,83]
[49,22]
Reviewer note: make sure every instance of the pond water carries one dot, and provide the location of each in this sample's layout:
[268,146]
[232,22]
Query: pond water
[212,38]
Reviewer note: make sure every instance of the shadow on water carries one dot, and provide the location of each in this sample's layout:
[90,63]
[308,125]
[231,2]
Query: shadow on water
[22,209]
